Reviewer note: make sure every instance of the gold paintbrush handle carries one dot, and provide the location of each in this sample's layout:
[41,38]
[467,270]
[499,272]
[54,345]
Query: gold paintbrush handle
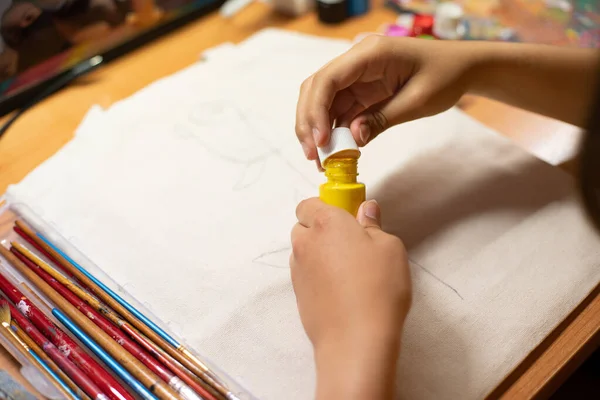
[17,338]
[24,350]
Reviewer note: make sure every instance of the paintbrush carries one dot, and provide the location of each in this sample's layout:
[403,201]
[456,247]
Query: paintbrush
[130,313]
[63,342]
[104,356]
[156,351]
[35,339]
[30,355]
[126,360]
[199,386]
[51,364]
[49,256]
[62,284]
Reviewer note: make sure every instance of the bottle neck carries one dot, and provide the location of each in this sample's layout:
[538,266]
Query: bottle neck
[341,170]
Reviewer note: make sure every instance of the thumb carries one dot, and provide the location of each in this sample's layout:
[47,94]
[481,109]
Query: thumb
[403,107]
[369,215]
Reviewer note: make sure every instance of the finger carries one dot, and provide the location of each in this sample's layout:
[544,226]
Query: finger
[343,102]
[326,83]
[365,95]
[298,240]
[348,116]
[406,106]
[369,215]
[319,166]
[303,129]
[309,211]
[293,271]
[298,232]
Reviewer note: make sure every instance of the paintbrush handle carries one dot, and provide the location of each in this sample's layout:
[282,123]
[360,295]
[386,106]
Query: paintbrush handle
[207,393]
[46,254]
[130,313]
[22,348]
[65,388]
[33,337]
[135,367]
[78,298]
[80,358]
[104,356]
[51,364]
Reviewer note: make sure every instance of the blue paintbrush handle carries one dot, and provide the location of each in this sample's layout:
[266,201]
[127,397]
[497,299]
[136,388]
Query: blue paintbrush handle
[157,329]
[104,356]
[53,374]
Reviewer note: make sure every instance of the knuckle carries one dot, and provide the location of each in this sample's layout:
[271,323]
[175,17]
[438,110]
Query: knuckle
[379,121]
[305,84]
[323,80]
[322,219]
[395,244]
[318,79]
[301,205]
[420,100]
[302,128]
[373,41]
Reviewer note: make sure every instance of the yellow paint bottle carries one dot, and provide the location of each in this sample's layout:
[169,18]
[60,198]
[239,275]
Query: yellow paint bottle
[340,161]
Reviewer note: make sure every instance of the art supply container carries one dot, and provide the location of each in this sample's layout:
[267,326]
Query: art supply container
[9,213]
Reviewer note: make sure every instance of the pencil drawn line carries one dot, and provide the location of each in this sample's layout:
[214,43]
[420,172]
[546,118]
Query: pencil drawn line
[436,278]
[241,114]
[274,150]
[186,132]
[241,183]
[257,260]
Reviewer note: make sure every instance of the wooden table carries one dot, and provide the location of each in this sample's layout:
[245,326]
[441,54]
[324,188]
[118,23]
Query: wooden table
[48,126]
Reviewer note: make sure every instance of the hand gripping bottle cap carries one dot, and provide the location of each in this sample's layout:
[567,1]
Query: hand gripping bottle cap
[341,144]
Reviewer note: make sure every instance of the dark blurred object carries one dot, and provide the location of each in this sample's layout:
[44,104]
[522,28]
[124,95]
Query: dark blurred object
[358,7]
[30,31]
[87,12]
[332,11]
[42,40]
[584,384]
[589,162]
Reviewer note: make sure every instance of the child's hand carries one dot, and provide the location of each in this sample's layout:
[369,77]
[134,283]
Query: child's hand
[352,285]
[380,82]
[385,81]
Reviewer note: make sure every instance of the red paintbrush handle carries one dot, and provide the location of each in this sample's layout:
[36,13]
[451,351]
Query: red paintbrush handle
[81,379]
[46,254]
[168,363]
[100,321]
[65,344]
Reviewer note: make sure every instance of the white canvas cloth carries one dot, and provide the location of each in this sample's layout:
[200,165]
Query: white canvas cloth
[185,195]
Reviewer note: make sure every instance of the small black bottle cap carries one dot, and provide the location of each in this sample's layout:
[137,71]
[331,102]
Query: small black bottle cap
[332,11]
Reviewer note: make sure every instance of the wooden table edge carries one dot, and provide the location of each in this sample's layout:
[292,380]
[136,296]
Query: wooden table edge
[561,352]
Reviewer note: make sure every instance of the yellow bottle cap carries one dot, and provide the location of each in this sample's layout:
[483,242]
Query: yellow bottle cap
[341,144]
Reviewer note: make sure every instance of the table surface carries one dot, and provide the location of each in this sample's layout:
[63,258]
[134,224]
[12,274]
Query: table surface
[49,125]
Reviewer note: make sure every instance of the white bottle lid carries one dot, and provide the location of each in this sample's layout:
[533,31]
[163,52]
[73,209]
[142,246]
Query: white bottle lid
[447,22]
[341,143]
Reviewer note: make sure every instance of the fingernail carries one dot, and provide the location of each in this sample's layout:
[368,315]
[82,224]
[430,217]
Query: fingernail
[365,133]
[319,166]
[371,209]
[305,149]
[316,136]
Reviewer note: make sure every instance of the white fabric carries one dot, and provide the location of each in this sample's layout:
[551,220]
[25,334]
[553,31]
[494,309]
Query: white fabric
[185,195]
